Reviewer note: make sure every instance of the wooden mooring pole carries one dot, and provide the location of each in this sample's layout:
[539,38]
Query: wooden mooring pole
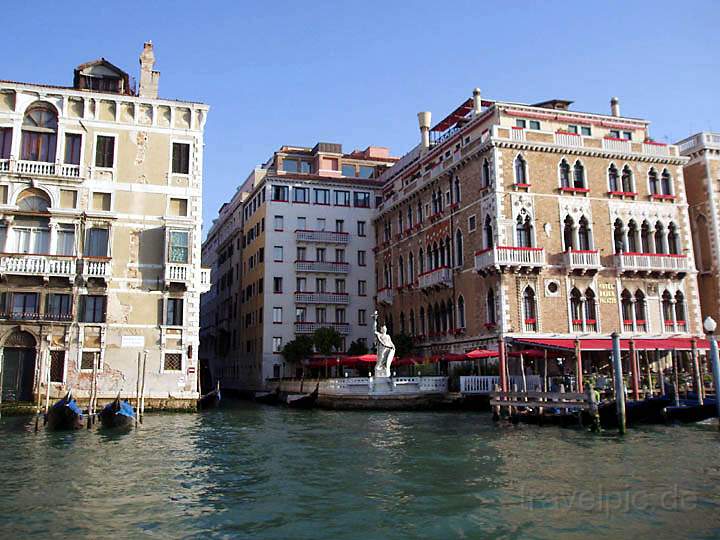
[618,382]
[634,371]
[137,392]
[697,380]
[710,326]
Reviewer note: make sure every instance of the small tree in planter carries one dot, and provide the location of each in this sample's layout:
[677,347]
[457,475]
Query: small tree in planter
[327,340]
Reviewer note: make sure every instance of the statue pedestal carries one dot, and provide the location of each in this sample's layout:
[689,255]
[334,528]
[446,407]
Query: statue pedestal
[381,386]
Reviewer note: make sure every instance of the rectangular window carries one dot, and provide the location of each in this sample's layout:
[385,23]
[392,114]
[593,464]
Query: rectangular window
[178,248]
[362,317]
[25,306]
[361,228]
[586,130]
[321,224]
[320,285]
[101,201]
[301,195]
[93,309]
[277,285]
[361,258]
[59,307]
[65,240]
[339,225]
[320,315]
[302,223]
[572,129]
[348,170]
[290,165]
[57,366]
[305,167]
[340,255]
[5,142]
[340,286]
[174,312]
[280,193]
[320,254]
[72,148]
[472,223]
[301,284]
[172,362]
[534,124]
[300,314]
[362,287]
[277,315]
[105,151]
[627,135]
[178,207]
[181,158]
[278,223]
[615,133]
[342,198]
[322,196]
[277,253]
[366,172]
[521,123]
[277,344]
[89,359]
[340,315]
[361,199]
[301,253]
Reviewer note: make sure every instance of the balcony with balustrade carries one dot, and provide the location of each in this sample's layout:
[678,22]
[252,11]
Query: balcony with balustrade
[504,258]
[44,266]
[205,280]
[305,297]
[582,261]
[439,277]
[310,327]
[42,168]
[96,268]
[178,275]
[322,267]
[385,296]
[35,316]
[323,237]
[651,263]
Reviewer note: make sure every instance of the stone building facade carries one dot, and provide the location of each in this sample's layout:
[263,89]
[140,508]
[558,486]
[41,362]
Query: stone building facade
[292,252]
[702,183]
[100,209]
[512,220]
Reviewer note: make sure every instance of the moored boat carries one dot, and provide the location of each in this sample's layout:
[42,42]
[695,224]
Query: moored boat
[690,411]
[65,414]
[303,401]
[210,400]
[117,414]
[269,398]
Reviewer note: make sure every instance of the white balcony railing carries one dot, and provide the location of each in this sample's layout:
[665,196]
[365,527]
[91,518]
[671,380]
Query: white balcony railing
[328,237]
[310,327]
[385,296]
[177,272]
[322,266]
[517,134]
[568,139]
[440,277]
[655,149]
[509,256]
[38,265]
[97,268]
[205,280]
[484,384]
[40,168]
[617,145]
[582,259]
[651,262]
[303,297]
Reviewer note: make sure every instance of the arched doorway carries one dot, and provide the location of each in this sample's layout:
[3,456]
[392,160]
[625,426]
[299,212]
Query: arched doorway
[18,366]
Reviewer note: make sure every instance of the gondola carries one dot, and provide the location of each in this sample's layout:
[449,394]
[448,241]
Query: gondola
[303,401]
[65,414]
[269,398]
[691,411]
[642,411]
[210,400]
[117,414]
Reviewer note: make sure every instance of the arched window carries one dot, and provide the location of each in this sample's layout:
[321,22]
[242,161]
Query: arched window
[434,203]
[33,200]
[618,236]
[529,309]
[401,272]
[430,257]
[568,225]
[584,234]
[448,251]
[443,260]
[458,248]
[490,306]
[440,200]
[438,318]
[632,232]
[640,310]
[39,133]
[436,256]
[659,238]
[667,309]
[673,240]
[485,173]
[627,180]
[576,307]
[402,322]
[666,182]
[590,309]
[409,217]
[451,315]
[431,320]
[646,237]
[627,308]
[411,268]
[419,212]
[412,322]
[578,175]
[421,260]
[680,309]
[564,173]
[422,320]
[489,240]
[613,178]
[653,182]
[520,170]
[524,232]
[461,312]
[457,190]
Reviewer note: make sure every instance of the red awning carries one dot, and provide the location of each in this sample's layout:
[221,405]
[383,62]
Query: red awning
[531,353]
[452,118]
[476,354]
[605,344]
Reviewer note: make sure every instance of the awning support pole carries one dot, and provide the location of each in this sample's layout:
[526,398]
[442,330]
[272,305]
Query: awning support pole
[502,365]
[676,385]
[697,382]
[618,382]
[578,368]
[635,371]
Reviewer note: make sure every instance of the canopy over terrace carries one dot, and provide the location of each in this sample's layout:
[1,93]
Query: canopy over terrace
[370,359]
[605,344]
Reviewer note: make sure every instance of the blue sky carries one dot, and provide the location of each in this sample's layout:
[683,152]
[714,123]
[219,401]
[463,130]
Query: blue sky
[357,72]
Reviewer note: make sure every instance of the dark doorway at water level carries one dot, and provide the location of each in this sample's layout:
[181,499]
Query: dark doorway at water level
[18,367]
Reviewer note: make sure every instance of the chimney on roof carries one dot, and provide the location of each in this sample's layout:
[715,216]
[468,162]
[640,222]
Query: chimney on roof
[424,119]
[477,102]
[615,106]
[148,78]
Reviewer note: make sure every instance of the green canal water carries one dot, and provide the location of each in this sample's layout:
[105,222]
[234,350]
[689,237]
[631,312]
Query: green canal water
[249,471]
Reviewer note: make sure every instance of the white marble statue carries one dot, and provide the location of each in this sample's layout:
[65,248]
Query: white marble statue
[385,349]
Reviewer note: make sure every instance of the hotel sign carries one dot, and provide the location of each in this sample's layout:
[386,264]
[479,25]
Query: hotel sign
[607,293]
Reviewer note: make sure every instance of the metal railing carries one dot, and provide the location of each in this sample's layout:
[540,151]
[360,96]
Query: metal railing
[303,297]
[322,266]
[310,327]
[438,277]
[328,237]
